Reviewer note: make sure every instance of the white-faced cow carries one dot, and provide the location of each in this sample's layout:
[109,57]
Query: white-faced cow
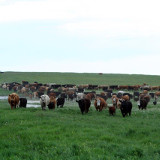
[44,101]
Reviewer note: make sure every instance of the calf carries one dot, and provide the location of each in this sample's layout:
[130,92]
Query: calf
[52,102]
[13,100]
[126,107]
[84,105]
[23,102]
[112,110]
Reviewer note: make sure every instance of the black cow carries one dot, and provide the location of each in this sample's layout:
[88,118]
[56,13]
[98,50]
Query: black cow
[84,105]
[23,102]
[60,101]
[143,104]
[126,107]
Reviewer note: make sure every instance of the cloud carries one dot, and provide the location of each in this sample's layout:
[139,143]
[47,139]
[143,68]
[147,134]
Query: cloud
[34,10]
[87,17]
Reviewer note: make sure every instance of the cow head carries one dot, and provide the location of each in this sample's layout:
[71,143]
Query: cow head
[114,100]
[42,98]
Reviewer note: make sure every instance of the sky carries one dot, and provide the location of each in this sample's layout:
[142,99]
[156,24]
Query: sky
[93,36]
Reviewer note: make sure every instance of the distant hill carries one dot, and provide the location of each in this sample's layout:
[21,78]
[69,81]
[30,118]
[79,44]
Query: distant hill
[80,78]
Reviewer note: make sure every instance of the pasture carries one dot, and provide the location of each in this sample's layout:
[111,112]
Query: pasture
[79,78]
[30,133]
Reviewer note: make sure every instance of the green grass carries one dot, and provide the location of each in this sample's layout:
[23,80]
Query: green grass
[66,134]
[79,78]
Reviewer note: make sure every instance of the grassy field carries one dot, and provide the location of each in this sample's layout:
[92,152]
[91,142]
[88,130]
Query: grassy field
[80,78]
[65,134]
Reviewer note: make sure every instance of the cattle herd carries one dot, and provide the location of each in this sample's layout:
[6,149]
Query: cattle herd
[52,95]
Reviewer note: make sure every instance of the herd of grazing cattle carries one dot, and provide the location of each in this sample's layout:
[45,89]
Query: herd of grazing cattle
[51,98]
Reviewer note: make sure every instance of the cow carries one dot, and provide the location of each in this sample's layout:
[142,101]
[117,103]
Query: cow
[126,107]
[114,100]
[35,94]
[52,102]
[136,96]
[44,101]
[157,93]
[142,104]
[145,92]
[100,104]
[84,105]
[123,87]
[23,90]
[90,95]
[144,96]
[155,88]
[143,101]
[13,100]
[60,101]
[114,87]
[23,102]
[112,110]
[70,95]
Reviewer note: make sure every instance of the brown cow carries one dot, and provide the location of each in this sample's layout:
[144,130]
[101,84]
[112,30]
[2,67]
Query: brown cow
[155,88]
[144,96]
[90,96]
[123,87]
[157,93]
[13,100]
[52,103]
[114,100]
[100,103]
[145,92]
[70,95]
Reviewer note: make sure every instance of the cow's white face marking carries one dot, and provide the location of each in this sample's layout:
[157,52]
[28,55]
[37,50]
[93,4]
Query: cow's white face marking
[43,98]
[98,102]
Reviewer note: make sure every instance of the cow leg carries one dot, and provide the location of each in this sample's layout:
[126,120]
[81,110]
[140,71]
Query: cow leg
[43,107]
[86,110]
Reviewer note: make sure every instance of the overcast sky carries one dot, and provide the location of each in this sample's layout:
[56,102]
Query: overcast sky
[108,36]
